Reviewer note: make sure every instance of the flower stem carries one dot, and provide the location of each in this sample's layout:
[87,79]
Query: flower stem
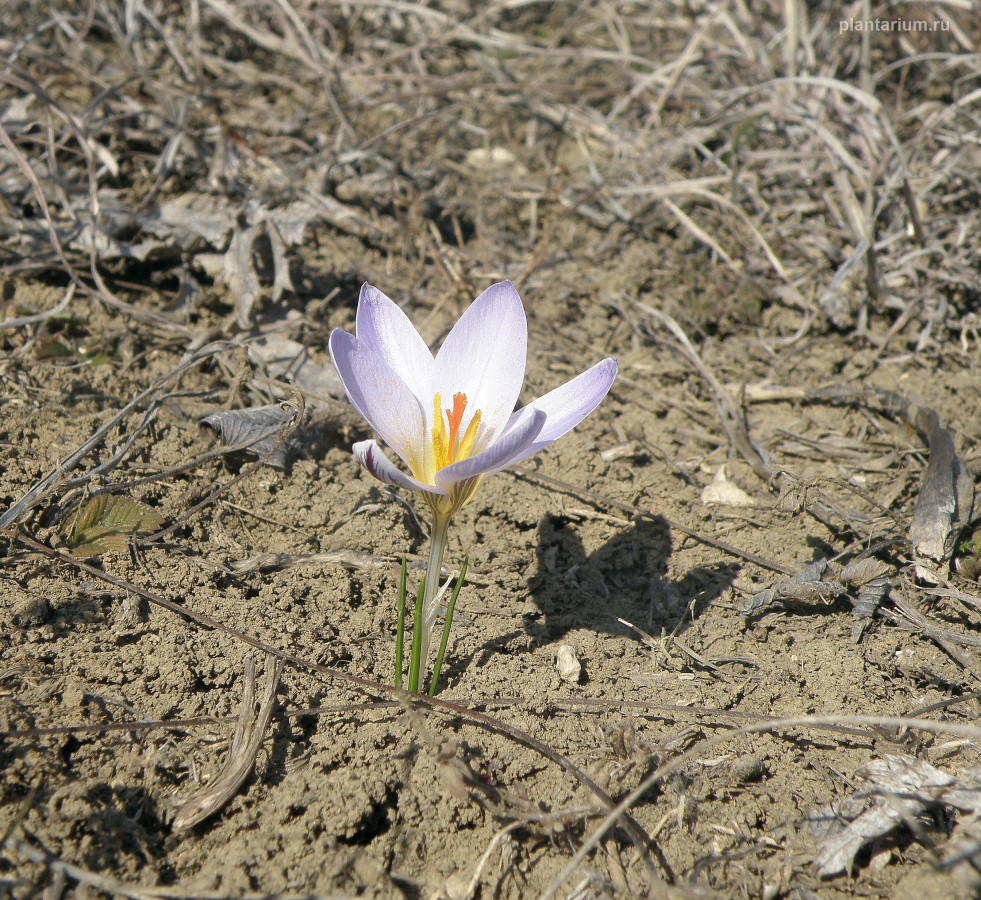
[437,544]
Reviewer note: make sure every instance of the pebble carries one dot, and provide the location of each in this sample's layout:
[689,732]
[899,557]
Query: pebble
[567,664]
[747,768]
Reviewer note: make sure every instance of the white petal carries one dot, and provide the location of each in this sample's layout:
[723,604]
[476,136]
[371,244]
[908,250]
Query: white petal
[511,446]
[566,406]
[370,455]
[483,357]
[383,327]
[380,396]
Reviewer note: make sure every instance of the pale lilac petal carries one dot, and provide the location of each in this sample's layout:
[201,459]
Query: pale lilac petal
[370,455]
[380,396]
[512,445]
[565,407]
[483,357]
[383,327]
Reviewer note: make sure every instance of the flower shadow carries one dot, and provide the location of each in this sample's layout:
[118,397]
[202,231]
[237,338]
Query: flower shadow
[571,589]
[623,579]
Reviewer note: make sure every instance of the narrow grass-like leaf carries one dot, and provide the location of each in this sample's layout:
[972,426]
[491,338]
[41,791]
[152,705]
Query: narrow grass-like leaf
[447,624]
[400,628]
[415,660]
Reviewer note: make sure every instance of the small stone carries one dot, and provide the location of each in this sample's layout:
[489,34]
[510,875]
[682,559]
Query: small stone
[747,769]
[457,887]
[567,664]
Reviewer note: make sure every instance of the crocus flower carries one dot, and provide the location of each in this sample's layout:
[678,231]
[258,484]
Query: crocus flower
[451,417]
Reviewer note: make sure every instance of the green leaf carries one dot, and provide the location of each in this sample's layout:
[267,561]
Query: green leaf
[53,348]
[106,523]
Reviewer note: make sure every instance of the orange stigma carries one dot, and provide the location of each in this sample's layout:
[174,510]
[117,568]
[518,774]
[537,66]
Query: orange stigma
[449,446]
[454,418]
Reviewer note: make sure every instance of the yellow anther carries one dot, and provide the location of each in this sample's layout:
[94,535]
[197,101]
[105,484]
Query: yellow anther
[466,442]
[441,445]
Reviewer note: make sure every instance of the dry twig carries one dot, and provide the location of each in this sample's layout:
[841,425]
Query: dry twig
[246,740]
